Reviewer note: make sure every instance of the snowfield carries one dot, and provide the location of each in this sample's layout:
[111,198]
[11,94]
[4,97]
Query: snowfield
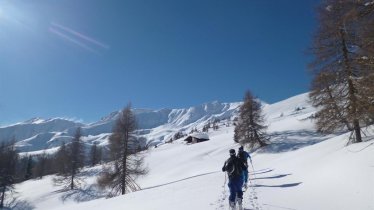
[300,170]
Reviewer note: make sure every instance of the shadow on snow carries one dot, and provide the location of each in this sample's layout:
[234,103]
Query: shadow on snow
[272,177]
[88,193]
[280,186]
[292,140]
[262,171]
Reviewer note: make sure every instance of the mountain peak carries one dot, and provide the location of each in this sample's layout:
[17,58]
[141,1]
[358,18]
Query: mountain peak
[34,120]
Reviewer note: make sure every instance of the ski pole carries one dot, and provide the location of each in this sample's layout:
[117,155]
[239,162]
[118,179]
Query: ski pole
[254,173]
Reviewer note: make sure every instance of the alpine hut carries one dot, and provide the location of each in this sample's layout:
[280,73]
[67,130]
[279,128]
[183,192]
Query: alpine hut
[197,137]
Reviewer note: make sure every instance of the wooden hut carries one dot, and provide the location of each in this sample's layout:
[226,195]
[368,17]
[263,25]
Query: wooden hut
[197,137]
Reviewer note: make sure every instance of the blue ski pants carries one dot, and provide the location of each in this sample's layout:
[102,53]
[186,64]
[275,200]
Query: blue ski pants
[235,186]
[245,176]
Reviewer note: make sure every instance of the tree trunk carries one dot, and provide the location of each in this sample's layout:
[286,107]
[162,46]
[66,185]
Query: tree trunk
[72,181]
[357,131]
[262,144]
[351,89]
[72,175]
[124,163]
[343,119]
[2,198]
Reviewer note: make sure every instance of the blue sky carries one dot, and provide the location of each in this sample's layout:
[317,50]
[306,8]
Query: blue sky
[86,58]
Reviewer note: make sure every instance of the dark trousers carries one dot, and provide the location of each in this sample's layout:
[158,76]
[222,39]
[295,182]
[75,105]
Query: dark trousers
[235,186]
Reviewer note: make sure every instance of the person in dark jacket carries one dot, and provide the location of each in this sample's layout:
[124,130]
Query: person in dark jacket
[234,168]
[243,156]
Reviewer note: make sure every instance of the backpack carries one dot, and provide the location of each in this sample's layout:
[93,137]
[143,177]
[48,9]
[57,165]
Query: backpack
[238,167]
[234,167]
[243,158]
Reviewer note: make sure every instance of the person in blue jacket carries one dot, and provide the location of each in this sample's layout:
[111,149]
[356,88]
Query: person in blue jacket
[244,156]
[234,168]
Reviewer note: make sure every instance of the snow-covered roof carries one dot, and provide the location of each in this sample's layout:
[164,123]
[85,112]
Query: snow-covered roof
[200,135]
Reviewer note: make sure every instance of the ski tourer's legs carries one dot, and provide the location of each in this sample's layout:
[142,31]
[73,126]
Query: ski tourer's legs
[232,205]
[246,176]
[240,203]
[236,193]
[239,193]
[232,188]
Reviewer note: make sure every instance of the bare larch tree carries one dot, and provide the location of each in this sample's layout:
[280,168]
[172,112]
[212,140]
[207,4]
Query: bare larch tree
[250,129]
[339,88]
[120,176]
[71,160]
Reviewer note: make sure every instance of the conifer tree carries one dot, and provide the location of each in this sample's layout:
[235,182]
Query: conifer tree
[8,162]
[29,167]
[341,83]
[40,166]
[72,160]
[250,129]
[96,154]
[77,156]
[127,166]
[365,18]
[61,160]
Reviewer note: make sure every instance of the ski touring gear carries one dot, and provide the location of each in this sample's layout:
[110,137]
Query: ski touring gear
[232,205]
[254,174]
[235,186]
[243,155]
[234,167]
[240,203]
[245,187]
[245,176]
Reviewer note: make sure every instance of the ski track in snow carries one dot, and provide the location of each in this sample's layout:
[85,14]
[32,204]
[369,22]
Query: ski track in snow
[251,198]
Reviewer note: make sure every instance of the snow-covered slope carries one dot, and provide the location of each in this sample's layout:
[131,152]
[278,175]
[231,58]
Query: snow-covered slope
[155,125]
[300,170]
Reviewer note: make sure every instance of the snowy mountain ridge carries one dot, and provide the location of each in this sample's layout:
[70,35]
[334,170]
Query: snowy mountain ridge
[37,134]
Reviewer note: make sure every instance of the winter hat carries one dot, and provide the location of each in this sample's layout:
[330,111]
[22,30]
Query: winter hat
[232,152]
[241,148]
